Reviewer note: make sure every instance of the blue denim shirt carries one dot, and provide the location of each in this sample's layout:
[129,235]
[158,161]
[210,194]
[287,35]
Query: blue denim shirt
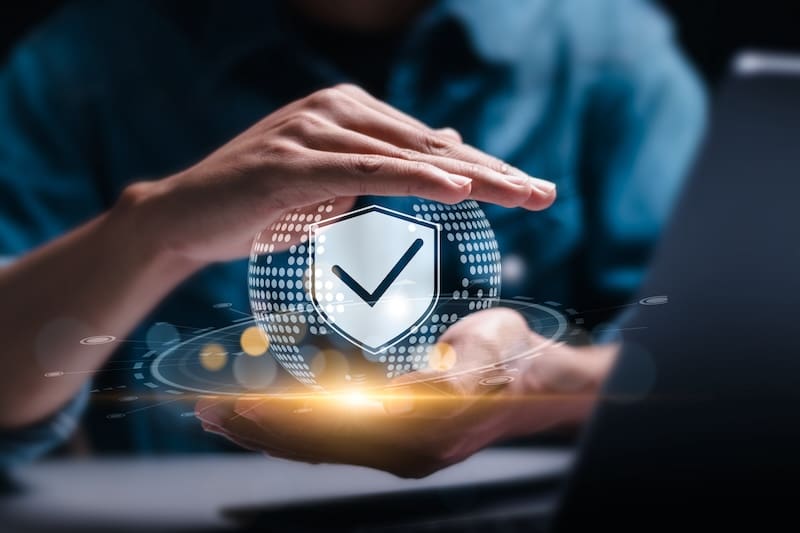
[591,94]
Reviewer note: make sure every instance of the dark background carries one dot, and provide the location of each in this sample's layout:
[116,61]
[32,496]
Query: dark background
[711,30]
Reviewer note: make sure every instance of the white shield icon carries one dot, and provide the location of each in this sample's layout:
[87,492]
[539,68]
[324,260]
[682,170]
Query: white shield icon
[374,274]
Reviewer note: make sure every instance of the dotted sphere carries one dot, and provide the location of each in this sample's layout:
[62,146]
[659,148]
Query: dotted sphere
[301,341]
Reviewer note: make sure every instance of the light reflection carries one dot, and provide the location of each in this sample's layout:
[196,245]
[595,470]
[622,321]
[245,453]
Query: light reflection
[254,341]
[442,357]
[213,357]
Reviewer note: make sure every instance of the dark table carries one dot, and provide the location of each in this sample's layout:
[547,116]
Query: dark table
[234,492]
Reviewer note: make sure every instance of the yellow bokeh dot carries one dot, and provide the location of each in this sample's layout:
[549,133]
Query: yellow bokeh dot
[442,357]
[213,357]
[254,341]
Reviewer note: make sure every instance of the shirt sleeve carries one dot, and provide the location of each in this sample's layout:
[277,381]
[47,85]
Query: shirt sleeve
[34,441]
[48,174]
[46,184]
[645,116]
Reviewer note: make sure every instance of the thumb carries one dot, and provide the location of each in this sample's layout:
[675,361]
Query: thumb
[434,392]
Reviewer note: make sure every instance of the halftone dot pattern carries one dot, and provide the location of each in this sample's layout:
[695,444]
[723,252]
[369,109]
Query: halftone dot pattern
[279,295]
[280,283]
[466,226]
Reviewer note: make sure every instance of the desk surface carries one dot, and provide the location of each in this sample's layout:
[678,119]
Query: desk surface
[190,493]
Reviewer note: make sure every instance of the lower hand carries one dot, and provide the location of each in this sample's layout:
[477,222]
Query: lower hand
[419,426]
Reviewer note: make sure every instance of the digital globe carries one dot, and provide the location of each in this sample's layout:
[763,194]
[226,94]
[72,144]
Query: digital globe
[361,294]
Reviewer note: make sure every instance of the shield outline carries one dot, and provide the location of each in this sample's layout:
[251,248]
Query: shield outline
[397,214]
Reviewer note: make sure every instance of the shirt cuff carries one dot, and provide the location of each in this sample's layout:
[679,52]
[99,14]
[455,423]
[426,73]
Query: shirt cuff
[29,443]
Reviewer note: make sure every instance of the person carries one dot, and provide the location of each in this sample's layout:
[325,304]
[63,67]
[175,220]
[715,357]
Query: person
[110,223]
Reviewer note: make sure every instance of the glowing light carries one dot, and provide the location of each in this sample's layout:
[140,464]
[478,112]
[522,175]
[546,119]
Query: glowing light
[513,268]
[654,300]
[255,373]
[356,397]
[213,357]
[161,335]
[254,341]
[400,306]
[442,357]
[98,339]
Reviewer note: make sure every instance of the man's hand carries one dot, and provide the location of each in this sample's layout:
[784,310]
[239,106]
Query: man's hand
[421,425]
[334,145]
[337,143]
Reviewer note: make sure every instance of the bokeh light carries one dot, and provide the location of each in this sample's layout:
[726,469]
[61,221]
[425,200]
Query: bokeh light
[442,357]
[255,373]
[513,268]
[161,335]
[213,357]
[254,341]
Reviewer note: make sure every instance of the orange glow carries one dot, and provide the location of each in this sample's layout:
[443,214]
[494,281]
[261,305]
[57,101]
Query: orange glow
[442,357]
[254,341]
[213,357]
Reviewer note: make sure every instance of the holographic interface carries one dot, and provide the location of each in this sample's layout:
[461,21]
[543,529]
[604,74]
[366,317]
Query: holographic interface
[345,303]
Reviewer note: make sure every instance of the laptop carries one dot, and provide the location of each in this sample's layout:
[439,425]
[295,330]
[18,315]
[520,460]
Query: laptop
[700,416]
[700,425]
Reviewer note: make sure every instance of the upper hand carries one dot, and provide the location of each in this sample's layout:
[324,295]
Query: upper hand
[337,143]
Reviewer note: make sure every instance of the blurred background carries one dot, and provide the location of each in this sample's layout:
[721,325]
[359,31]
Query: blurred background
[710,30]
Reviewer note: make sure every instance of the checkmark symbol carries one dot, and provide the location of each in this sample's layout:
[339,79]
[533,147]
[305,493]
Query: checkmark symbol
[372,297]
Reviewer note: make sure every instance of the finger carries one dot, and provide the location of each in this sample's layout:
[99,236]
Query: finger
[242,443]
[487,184]
[329,432]
[248,438]
[212,409]
[370,101]
[214,414]
[401,133]
[330,175]
[344,98]
[324,424]
[224,417]
[540,193]
[429,395]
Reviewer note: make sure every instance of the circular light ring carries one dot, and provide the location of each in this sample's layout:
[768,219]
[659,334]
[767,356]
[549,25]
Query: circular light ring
[175,357]
[96,340]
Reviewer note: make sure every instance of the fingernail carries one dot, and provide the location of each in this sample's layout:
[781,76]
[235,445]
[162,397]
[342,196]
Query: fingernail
[461,181]
[548,187]
[517,180]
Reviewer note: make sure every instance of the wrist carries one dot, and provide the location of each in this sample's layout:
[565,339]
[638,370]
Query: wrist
[559,388]
[135,219]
